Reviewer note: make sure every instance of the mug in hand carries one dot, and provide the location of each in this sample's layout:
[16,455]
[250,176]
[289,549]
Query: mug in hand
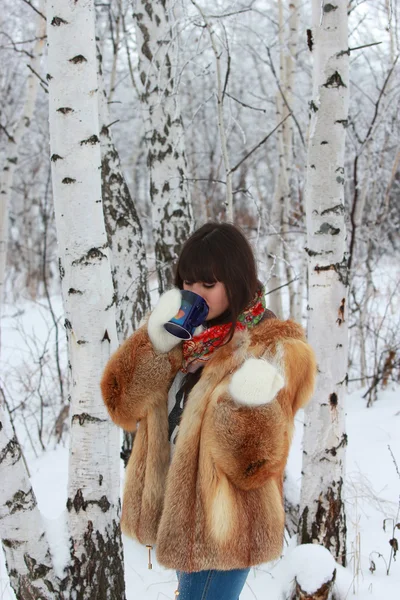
[192,313]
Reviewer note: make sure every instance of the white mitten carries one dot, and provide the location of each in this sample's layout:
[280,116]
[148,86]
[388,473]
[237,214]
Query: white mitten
[256,382]
[166,308]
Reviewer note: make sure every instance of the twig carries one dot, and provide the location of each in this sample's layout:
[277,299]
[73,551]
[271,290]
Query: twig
[284,97]
[357,48]
[379,100]
[220,111]
[244,104]
[258,145]
[34,8]
[10,137]
[281,286]
[394,460]
[38,76]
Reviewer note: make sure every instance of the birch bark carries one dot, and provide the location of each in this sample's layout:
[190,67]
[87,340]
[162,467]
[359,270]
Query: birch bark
[169,189]
[14,141]
[27,553]
[322,511]
[84,263]
[124,230]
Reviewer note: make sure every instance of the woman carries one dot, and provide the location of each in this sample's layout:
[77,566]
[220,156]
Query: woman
[204,481]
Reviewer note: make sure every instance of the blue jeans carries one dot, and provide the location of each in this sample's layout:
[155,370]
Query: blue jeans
[211,585]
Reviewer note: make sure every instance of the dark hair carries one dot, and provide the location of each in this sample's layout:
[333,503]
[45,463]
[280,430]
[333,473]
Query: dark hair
[220,252]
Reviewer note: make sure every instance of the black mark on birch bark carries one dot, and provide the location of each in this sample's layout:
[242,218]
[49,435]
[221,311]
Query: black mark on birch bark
[343,122]
[340,268]
[57,21]
[55,157]
[12,450]
[314,253]
[327,228]
[106,337]
[338,209]
[148,8]
[49,77]
[68,180]
[145,46]
[341,309]
[36,570]
[342,444]
[79,503]
[86,418]
[87,259]
[74,291]
[92,140]
[334,81]
[313,106]
[21,501]
[310,41]
[65,110]
[329,8]
[76,60]
[13,544]
[67,324]
[61,269]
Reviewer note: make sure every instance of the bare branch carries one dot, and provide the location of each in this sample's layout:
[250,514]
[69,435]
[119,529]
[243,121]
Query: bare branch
[28,2]
[244,104]
[258,145]
[284,97]
[43,81]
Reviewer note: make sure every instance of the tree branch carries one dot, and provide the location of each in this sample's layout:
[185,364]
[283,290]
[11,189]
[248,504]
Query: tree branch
[28,2]
[284,97]
[258,145]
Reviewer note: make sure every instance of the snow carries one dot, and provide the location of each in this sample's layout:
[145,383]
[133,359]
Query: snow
[372,494]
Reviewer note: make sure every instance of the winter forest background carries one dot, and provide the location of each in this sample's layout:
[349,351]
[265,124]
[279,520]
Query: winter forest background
[182,112]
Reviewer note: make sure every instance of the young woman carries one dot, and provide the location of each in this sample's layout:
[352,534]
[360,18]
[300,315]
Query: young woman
[215,414]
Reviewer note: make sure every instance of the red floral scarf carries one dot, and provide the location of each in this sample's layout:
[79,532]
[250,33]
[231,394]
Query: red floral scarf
[198,350]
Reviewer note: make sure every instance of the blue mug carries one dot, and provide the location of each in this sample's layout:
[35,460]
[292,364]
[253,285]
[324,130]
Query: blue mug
[192,313]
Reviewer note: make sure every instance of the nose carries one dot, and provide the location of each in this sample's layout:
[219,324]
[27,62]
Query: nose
[197,288]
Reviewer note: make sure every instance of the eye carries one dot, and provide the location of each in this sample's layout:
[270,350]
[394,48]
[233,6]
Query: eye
[188,282]
[208,286]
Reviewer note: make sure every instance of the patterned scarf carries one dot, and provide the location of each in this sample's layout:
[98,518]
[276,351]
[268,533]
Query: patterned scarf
[198,350]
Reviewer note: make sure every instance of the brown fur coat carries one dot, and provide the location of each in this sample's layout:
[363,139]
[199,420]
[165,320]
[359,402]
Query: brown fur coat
[219,504]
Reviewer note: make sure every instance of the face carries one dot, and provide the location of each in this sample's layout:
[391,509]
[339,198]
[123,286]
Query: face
[213,293]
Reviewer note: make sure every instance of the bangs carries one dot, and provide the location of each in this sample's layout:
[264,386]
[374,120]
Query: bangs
[197,263]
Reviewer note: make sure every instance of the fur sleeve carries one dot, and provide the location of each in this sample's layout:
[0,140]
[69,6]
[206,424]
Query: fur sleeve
[251,443]
[136,378]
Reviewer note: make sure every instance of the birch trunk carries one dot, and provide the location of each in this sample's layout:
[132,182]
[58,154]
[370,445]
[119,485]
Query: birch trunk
[124,230]
[25,546]
[322,513]
[169,189]
[84,263]
[14,141]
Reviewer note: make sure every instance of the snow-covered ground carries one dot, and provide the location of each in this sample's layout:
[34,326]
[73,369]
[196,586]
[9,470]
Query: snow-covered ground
[372,499]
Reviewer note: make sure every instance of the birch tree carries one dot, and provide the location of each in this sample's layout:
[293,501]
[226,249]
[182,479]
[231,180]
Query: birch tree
[169,189]
[24,542]
[84,263]
[14,141]
[322,511]
[124,230]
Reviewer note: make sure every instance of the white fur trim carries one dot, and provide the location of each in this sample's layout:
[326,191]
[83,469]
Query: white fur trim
[256,382]
[166,308]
